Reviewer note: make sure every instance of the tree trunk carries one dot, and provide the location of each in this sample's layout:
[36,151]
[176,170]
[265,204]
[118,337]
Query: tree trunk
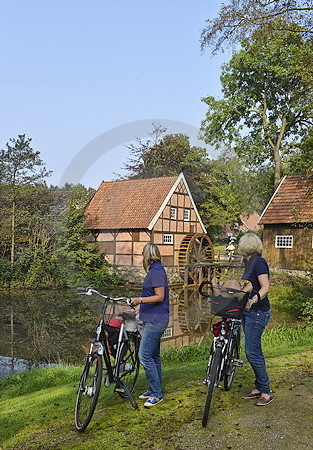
[277,168]
[13,234]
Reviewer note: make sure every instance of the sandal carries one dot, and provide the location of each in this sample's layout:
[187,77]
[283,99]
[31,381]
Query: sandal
[251,394]
[262,401]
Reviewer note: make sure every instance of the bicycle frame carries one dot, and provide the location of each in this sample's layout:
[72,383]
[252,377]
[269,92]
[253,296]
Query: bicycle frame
[102,349]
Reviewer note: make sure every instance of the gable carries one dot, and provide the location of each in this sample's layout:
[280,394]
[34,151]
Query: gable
[291,203]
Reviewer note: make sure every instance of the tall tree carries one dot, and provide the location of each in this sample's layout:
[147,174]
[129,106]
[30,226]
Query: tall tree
[266,109]
[21,169]
[167,155]
[239,19]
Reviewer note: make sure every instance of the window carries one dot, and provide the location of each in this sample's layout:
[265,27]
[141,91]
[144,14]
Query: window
[168,239]
[186,215]
[173,213]
[168,333]
[283,241]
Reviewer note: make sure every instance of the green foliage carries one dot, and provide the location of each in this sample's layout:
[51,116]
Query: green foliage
[231,191]
[168,155]
[80,261]
[290,294]
[239,19]
[301,161]
[266,109]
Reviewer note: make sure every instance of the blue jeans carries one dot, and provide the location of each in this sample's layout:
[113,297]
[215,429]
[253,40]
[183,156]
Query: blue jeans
[254,323]
[149,355]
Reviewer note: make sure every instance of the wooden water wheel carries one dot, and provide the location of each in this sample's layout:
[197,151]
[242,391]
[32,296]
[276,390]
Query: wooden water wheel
[195,249]
[194,313]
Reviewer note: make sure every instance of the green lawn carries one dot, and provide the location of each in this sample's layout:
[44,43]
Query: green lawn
[37,406]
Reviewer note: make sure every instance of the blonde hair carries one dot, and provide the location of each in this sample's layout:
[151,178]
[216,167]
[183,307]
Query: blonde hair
[151,253]
[249,243]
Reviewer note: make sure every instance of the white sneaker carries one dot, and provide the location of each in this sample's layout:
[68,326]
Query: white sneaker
[152,401]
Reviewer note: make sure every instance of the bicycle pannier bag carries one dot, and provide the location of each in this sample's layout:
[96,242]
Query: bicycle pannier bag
[217,326]
[113,328]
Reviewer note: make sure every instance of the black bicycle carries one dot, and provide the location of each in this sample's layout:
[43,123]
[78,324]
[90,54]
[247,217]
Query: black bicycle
[229,304]
[113,356]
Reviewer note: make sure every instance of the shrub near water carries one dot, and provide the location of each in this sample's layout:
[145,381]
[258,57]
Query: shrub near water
[291,294]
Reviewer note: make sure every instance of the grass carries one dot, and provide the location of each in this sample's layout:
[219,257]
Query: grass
[37,405]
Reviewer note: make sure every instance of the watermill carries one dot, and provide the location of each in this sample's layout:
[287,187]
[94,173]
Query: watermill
[195,250]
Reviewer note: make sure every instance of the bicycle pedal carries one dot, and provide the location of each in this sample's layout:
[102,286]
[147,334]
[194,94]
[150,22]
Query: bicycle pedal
[119,389]
[238,363]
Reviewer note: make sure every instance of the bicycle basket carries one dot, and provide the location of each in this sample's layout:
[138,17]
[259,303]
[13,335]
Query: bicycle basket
[227,301]
[109,312]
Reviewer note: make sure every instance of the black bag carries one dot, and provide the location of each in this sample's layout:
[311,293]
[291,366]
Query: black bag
[112,333]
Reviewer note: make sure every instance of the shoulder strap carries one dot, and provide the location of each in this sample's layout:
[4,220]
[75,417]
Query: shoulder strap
[250,266]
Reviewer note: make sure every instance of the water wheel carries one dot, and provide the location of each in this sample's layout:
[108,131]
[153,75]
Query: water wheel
[194,313]
[195,249]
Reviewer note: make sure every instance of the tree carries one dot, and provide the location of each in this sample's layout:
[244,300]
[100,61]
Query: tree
[267,106]
[21,170]
[239,19]
[77,260]
[301,162]
[231,191]
[168,155]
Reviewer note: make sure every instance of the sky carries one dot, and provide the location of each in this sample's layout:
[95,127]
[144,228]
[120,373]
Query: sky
[84,78]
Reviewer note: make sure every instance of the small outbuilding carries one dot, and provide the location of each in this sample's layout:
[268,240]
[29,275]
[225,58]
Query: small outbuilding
[288,225]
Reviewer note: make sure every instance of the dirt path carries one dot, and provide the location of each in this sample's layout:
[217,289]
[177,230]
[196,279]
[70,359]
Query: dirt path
[287,423]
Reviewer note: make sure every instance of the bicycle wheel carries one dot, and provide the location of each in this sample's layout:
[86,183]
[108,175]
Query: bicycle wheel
[214,365]
[230,364]
[88,391]
[128,364]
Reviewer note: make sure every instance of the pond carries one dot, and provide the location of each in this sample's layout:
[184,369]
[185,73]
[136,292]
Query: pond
[56,326]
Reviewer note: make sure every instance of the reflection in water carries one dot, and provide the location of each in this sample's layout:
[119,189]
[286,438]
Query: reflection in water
[57,326]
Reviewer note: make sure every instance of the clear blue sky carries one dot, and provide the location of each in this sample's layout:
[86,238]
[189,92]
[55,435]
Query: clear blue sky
[75,69]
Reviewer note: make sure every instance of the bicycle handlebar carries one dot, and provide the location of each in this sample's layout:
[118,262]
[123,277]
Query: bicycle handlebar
[90,291]
[226,289]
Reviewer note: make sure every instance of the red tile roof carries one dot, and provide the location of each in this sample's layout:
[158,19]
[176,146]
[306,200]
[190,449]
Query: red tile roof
[250,223]
[292,202]
[128,204]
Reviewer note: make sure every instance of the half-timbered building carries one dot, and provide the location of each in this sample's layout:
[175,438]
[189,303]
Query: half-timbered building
[124,215]
[288,225]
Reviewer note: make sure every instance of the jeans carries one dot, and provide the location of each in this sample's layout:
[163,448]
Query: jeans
[254,323]
[149,355]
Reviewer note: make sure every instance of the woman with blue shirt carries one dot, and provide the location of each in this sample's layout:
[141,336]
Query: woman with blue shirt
[154,313]
[256,315]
